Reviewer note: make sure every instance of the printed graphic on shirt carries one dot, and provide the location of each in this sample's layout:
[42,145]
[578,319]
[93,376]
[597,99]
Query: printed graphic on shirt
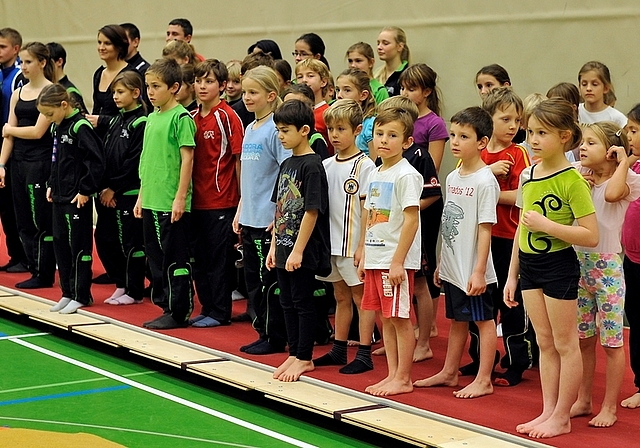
[549,202]
[289,208]
[451,217]
[251,151]
[380,198]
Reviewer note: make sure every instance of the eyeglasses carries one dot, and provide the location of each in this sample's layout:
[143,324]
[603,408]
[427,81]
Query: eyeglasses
[302,54]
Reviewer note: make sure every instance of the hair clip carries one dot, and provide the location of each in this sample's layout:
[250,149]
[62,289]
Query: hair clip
[619,133]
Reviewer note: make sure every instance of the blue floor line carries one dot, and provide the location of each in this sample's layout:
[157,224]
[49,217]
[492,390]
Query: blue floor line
[3,334]
[65,395]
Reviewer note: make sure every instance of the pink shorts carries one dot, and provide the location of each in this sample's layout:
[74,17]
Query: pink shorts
[379,295]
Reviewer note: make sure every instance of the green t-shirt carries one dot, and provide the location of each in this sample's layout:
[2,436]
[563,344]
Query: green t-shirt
[378,90]
[160,161]
[562,197]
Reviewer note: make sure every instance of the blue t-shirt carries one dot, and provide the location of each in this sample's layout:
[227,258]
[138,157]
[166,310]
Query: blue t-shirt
[366,135]
[262,154]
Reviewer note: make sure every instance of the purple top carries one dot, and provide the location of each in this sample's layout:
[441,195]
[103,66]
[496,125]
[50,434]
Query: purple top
[429,128]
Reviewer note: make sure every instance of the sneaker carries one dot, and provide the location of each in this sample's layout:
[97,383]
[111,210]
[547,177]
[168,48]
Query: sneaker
[34,283]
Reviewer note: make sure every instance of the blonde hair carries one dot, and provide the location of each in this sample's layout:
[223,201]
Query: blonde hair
[317,66]
[401,38]
[400,109]
[233,67]
[344,111]
[399,102]
[180,49]
[609,134]
[528,104]
[267,78]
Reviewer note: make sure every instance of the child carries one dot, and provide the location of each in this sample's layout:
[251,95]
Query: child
[262,154]
[571,93]
[360,56]
[216,164]
[466,268]
[354,84]
[28,142]
[394,52]
[506,160]
[301,236]
[123,145]
[76,172]
[491,77]
[316,75]
[418,83]
[426,293]
[186,95]
[347,174]
[594,80]
[631,264]
[59,59]
[551,196]
[392,246]
[283,70]
[180,51]
[233,90]
[252,60]
[304,93]
[164,201]
[601,291]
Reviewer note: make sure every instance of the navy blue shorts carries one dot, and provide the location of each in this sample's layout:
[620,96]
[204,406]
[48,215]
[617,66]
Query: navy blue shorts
[463,308]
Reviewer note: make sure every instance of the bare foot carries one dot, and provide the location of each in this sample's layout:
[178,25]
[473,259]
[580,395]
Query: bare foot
[379,352]
[393,387]
[351,343]
[605,419]
[580,408]
[434,332]
[551,428]
[374,387]
[439,379]
[283,367]
[422,353]
[416,332]
[632,402]
[296,369]
[525,428]
[475,389]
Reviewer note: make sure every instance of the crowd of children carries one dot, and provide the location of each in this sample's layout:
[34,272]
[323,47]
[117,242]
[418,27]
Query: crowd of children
[333,185]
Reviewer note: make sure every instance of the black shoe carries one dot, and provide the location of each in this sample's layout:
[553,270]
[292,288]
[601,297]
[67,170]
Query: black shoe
[34,283]
[244,317]
[165,322]
[253,344]
[103,279]
[16,268]
[264,348]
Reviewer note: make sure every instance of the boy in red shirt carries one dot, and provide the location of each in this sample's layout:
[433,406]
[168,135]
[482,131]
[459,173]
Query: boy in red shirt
[216,165]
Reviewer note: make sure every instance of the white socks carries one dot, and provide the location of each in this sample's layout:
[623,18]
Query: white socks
[60,305]
[71,307]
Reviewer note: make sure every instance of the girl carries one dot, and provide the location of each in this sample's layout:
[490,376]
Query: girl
[266,46]
[394,52]
[601,291]
[360,56]
[186,95]
[309,45]
[631,264]
[283,70]
[353,84]
[28,142]
[122,148]
[76,171]
[490,77]
[552,195]
[569,92]
[180,51]
[262,154]
[418,83]
[316,75]
[594,80]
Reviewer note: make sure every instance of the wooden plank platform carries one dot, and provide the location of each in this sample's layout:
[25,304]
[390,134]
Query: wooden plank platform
[233,373]
[39,311]
[145,345]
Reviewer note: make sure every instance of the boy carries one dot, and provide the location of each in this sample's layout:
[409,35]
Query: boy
[465,269]
[347,174]
[301,235]
[316,75]
[392,246]
[233,91]
[506,160]
[164,200]
[59,57]
[134,58]
[216,165]
[10,43]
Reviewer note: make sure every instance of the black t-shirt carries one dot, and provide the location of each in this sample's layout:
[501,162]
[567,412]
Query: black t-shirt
[245,116]
[301,186]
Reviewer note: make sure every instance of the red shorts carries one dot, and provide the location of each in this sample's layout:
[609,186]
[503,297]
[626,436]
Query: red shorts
[379,295]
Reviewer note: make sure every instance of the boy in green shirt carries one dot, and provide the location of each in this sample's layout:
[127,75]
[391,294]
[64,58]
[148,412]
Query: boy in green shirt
[164,201]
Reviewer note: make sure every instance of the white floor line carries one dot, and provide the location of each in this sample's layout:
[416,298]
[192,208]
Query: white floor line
[159,393]
[18,336]
[68,383]
[115,428]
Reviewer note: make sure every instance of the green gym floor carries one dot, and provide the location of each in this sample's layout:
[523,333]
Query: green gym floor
[50,383]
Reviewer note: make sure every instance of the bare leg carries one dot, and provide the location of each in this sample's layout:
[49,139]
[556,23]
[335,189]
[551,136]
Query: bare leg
[389,335]
[584,403]
[424,314]
[434,324]
[400,361]
[344,311]
[481,385]
[615,376]
[448,376]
